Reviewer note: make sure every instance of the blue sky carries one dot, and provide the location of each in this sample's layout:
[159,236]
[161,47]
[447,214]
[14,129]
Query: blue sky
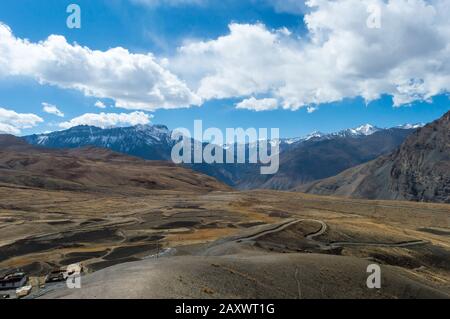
[162,28]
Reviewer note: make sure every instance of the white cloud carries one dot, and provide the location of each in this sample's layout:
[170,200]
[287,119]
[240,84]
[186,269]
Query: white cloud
[341,57]
[51,109]
[12,122]
[214,67]
[105,120]
[338,57]
[133,81]
[100,105]
[258,105]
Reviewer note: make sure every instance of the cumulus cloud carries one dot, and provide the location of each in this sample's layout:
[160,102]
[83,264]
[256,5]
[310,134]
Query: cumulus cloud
[105,120]
[213,67]
[51,109]
[341,57]
[133,81]
[100,105]
[258,105]
[12,122]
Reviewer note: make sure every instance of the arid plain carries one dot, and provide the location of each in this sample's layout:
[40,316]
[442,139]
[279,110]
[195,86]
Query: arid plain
[42,229]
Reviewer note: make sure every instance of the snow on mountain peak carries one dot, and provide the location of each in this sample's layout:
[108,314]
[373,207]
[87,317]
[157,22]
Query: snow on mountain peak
[366,129]
[411,126]
[291,141]
[315,134]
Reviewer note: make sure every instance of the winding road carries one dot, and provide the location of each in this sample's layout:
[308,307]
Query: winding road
[323,245]
[274,229]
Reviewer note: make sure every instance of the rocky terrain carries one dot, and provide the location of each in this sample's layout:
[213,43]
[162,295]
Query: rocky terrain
[320,158]
[418,170]
[274,245]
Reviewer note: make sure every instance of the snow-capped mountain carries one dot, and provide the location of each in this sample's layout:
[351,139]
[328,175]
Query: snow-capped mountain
[418,170]
[154,142]
[366,130]
[361,131]
[147,141]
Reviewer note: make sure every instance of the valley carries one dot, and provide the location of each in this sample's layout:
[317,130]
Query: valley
[152,229]
[239,232]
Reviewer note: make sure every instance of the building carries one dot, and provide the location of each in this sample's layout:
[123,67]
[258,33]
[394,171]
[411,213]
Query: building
[13,281]
[23,291]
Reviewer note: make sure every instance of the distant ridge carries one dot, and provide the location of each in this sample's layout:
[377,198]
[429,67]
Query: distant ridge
[302,160]
[11,141]
[91,169]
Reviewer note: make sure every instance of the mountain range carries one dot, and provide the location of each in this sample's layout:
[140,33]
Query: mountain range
[327,156]
[302,160]
[418,170]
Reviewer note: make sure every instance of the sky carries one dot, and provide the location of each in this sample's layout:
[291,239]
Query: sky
[300,67]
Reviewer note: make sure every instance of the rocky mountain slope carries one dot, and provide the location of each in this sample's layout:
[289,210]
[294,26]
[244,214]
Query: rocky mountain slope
[419,170]
[317,159]
[151,142]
